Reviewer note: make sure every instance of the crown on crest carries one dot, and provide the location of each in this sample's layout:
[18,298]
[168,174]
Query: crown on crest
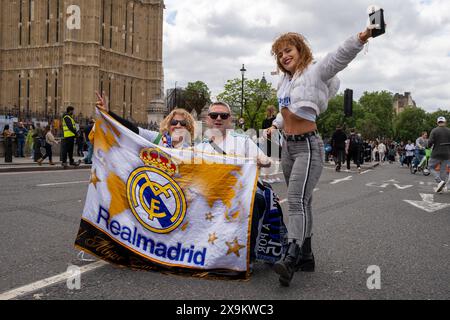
[158,159]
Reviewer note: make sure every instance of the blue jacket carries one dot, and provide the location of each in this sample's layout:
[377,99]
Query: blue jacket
[21,133]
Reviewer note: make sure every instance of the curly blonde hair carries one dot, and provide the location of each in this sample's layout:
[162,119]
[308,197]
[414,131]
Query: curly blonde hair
[298,41]
[165,124]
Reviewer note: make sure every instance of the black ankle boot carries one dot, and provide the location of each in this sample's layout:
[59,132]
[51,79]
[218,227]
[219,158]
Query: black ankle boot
[305,260]
[286,267]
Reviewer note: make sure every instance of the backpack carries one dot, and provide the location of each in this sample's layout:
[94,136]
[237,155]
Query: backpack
[355,141]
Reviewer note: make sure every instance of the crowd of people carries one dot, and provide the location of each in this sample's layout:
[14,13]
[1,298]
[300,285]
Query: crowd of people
[37,141]
[28,139]
[343,147]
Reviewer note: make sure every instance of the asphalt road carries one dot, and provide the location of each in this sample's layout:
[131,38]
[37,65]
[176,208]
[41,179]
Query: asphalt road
[360,220]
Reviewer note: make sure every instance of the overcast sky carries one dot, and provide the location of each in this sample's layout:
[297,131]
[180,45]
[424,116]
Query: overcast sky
[210,40]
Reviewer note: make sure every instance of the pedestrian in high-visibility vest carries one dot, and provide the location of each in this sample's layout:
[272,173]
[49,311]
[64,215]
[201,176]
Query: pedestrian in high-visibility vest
[70,131]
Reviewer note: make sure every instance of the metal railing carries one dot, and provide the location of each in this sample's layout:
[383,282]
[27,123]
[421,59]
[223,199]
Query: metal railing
[31,118]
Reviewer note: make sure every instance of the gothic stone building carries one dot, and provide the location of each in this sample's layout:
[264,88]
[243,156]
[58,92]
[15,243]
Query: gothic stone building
[401,102]
[56,53]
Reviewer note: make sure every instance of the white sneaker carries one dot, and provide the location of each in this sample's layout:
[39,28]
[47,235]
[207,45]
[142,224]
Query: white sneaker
[440,186]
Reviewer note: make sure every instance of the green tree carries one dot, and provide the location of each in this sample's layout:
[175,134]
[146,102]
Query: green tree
[410,123]
[334,116]
[367,126]
[258,95]
[379,104]
[196,96]
[432,118]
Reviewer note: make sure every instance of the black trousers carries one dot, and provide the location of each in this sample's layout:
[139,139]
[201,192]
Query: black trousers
[37,150]
[355,155]
[8,149]
[339,157]
[48,152]
[67,150]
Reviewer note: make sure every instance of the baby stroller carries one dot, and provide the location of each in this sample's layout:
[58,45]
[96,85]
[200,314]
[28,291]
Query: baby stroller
[423,165]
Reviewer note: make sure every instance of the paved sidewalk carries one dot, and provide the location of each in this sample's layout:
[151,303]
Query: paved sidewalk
[27,164]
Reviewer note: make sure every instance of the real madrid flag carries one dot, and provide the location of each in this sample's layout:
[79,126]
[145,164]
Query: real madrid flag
[154,208]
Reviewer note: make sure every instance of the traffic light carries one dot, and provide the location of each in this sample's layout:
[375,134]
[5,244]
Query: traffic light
[348,102]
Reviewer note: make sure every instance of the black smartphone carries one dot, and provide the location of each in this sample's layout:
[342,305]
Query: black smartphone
[377,17]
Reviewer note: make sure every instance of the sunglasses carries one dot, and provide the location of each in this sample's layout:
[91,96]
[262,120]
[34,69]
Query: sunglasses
[174,122]
[215,115]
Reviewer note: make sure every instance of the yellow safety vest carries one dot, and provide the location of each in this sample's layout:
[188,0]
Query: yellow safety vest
[67,132]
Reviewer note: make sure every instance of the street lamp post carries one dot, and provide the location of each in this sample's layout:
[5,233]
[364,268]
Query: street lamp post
[175,103]
[242,91]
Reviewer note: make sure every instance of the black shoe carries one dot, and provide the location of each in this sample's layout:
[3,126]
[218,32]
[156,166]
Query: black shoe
[306,260]
[75,164]
[286,267]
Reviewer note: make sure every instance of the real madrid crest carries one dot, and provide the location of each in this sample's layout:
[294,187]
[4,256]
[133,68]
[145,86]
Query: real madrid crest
[155,198]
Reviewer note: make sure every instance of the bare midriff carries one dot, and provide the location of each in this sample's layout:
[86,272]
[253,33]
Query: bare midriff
[296,125]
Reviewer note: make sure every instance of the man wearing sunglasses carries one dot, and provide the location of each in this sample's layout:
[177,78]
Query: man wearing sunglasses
[222,139]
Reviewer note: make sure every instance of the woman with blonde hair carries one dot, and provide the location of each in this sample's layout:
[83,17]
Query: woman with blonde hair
[176,130]
[303,93]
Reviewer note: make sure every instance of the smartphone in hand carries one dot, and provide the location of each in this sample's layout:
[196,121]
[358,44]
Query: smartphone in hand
[377,17]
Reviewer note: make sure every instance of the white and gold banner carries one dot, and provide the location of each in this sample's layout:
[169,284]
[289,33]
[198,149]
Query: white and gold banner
[172,210]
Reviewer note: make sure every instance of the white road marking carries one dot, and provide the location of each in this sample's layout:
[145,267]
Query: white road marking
[403,187]
[349,178]
[48,171]
[384,185]
[48,282]
[428,203]
[365,171]
[61,183]
[373,184]
[428,183]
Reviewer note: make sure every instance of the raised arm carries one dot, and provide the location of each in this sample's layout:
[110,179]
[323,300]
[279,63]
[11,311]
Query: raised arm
[338,60]
[102,104]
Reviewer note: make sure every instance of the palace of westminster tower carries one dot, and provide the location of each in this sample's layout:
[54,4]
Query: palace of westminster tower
[56,53]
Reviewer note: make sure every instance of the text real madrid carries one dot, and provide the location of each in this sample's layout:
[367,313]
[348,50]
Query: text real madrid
[159,249]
